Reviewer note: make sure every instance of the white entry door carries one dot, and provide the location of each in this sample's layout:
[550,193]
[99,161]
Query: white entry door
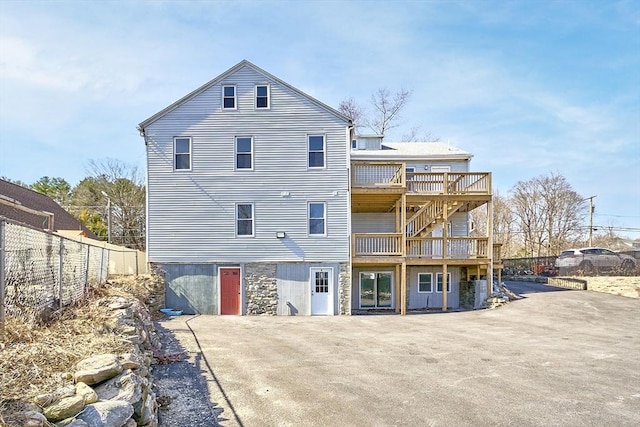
[321,291]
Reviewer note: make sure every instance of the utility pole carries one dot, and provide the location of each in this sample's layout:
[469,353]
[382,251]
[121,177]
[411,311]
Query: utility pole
[590,219]
[108,216]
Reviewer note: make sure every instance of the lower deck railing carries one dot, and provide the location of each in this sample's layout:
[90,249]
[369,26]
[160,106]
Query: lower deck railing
[390,244]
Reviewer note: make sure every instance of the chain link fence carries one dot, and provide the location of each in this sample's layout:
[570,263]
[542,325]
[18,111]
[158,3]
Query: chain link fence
[42,271]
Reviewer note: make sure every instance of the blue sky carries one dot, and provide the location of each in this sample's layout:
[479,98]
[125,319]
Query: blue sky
[529,87]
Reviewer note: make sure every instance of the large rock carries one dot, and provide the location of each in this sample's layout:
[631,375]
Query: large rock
[127,386]
[112,413]
[130,361]
[87,393]
[64,408]
[98,368]
[34,419]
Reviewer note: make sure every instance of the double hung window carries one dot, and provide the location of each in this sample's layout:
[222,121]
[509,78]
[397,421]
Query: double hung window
[244,152]
[182,153]
[229,97]
[244,219]
[316,150]
[262,97]
[317,219]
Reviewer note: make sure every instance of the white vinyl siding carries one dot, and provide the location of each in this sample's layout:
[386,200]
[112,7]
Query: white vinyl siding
[202,229]
[182,153]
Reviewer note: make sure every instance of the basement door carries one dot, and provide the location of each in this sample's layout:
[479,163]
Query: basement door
[229,290]
[321,291]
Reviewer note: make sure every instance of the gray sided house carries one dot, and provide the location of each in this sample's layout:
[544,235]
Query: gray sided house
[248,198]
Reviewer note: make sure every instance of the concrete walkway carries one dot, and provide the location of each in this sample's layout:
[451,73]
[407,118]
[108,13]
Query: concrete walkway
[565,358]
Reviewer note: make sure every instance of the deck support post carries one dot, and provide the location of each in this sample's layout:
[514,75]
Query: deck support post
[396,285]
[403,284]
[445,285]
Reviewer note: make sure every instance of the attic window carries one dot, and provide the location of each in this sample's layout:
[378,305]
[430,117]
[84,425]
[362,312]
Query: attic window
[229,97]
[262,96]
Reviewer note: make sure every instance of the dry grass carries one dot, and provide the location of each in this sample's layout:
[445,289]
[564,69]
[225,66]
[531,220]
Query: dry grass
[35,358]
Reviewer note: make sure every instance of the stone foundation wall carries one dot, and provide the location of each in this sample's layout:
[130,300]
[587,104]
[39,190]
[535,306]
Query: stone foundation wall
[261,289]
[344,289]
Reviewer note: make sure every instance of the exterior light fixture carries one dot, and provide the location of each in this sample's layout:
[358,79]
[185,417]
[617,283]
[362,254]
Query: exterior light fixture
[280,234]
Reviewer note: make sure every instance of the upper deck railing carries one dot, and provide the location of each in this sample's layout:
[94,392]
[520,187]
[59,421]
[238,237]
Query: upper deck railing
[394,175]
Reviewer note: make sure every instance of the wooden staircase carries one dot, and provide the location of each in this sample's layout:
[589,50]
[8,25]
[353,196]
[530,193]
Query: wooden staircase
[429,216]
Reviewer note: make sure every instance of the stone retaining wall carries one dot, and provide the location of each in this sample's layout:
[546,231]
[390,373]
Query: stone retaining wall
[107,390]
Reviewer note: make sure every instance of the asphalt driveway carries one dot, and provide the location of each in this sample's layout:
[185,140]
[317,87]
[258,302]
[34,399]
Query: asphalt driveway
[565,358]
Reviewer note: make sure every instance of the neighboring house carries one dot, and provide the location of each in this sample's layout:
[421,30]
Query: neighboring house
[38,210]
[248,198]
[254,189]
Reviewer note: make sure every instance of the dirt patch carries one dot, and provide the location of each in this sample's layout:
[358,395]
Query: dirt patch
[624,286]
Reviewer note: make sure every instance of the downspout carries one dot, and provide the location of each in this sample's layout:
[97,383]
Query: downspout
[143,134]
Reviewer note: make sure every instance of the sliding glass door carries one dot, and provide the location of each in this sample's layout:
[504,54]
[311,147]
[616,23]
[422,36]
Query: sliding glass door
[376,290]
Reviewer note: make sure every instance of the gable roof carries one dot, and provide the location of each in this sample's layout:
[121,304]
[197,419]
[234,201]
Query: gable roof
[30,207]
[412,151]
[235,68]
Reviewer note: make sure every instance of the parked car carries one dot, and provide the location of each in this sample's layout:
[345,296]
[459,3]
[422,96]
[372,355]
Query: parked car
[589,260]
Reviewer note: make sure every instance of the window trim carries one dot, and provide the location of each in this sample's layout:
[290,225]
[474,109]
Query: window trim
[175,154]
[430,291]
[449,287]
[235,97]
[325,229]
[253,219]
[255,96]
[324,151]
[235,149]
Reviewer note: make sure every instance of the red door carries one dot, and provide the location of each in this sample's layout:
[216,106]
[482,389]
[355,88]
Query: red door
[229,291]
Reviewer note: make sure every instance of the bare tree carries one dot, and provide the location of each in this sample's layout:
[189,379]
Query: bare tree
[416,134]
[387,109]
[353,110]
[548,212]
[123,185]
[504,224]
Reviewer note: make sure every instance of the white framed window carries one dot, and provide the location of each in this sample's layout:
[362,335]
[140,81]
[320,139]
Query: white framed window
[229,97]
[244,219]
[263,93]
[317,218]
[425,283]
[316,150]
[244,152]
[182,153]
[439,283]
